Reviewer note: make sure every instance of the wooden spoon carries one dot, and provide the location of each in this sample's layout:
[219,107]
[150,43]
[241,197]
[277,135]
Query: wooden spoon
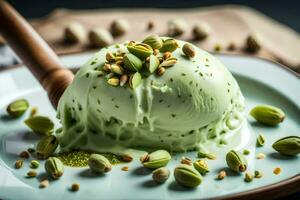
[37,56]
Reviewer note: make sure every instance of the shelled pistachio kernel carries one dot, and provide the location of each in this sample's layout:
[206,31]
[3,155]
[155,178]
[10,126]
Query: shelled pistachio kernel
[201,31]
[186,160]
[246,152]
[257,174]
[135,80]
[114,81]
[260,141]
[126,158]
[260,156]
[17,108]
[33,111]
[34,164]
[253,43]
[288,145]
[189,50]
[100,37]
[75,187]
[169,45]
[19,164]
[169,62]
[248,177]
[268,115]
[125,168]
[24,154]
[156,159]
[187,176]
[202,154]
[152,64]
[123,80]
[217,47]
[99,163]
[154,41]
[236,161]
[31,174]
[119,27]
[222,174]
[110,57]
[54,167]
[74,32]
[46,146]
[277,170]
[117,69]
[167,55]
[161,174]
[40,124]
[201,166]
[44,183]
[176,27]
[160,71]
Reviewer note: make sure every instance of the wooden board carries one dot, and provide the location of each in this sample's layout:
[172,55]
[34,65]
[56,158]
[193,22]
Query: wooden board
[229,24]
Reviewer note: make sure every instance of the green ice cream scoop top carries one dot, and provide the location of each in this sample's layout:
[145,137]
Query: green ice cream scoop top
[158,93]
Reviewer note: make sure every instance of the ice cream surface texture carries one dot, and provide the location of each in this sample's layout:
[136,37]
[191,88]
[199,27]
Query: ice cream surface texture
[194,101]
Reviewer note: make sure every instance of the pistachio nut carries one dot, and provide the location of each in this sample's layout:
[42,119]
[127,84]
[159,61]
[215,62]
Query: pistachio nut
[288,145]
[257,174]
[74,32]
[156,159]
[110,57]
[119,27]
[189,50]
[253,43]
[75,187]
[100,37]
[201,31]
[135,80]
[202,154]
[46,146]
[99,163]
[187,176]
[40,124]
[123,80]
[152,64]
[17,108]
[160,71]
[169,45]
[161,174]
[132,62]
[54,167]
[236,161]
[248,177]
[19,164]
[201,166]
[260,141]
[154,41]
[117,69]
[140,50]
[31,174]
[34,164]
[268,115]
[176,27]
[169,62]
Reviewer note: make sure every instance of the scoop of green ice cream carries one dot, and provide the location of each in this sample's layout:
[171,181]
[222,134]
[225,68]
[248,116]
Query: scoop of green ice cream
[195,100]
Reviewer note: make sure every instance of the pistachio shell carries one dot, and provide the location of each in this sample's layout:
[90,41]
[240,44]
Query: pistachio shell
[236,161]
[100,37]
[46,146]
[135,80]
[140,50]
[153,63]
[40,124]
[268,115]
[99,163]
[154,41]
[75,33]
[288,145]
[169,45]
[161,174]
[260,141]
[187,176]
[54,167]
[17,108]
[132,62]
[156,159]
[201,31]
[119,27]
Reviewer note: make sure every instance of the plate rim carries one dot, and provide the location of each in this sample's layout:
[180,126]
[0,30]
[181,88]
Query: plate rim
[273,191]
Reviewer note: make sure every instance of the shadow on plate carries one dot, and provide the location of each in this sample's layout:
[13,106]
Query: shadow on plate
[141,171]
[87,173]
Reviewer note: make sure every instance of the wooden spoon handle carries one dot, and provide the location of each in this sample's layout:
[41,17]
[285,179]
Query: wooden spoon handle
[34,52]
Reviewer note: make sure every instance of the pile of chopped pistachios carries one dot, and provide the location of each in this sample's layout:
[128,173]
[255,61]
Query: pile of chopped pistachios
[152,56]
